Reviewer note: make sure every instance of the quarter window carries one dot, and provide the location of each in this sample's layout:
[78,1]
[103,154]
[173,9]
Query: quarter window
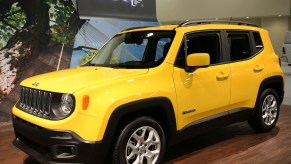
[258,41]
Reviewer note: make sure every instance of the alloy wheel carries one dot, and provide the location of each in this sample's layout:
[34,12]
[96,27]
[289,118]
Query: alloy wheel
[143,146]
[269,110]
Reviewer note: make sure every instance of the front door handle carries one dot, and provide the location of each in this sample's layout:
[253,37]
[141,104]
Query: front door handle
[222,76]
[258,68]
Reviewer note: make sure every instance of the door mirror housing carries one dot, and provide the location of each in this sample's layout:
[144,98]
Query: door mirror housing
[198,60]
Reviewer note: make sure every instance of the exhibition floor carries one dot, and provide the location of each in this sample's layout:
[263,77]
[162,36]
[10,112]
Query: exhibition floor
[237,143]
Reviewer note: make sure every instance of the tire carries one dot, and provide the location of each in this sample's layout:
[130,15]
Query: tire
[142,139]
[266,111]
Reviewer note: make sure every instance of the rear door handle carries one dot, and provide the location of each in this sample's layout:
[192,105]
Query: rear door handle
[222,76]
[258,68]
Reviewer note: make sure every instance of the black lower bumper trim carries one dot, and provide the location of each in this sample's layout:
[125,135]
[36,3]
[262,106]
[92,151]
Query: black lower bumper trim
[48,146]
[36,155]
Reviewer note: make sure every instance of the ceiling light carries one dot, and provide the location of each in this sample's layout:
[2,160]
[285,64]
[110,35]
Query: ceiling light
[247,17]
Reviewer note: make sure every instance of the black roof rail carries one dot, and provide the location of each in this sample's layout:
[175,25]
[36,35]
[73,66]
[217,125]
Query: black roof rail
[193,23]
[133,28]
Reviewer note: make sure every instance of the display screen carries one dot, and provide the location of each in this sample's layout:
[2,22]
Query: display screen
[121,9]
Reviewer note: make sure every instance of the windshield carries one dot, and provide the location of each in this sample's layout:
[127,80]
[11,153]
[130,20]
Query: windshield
[142,49]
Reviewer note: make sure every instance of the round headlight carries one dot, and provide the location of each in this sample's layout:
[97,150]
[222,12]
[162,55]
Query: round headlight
[66,106]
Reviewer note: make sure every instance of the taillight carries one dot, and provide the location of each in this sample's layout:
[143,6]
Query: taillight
[283,50]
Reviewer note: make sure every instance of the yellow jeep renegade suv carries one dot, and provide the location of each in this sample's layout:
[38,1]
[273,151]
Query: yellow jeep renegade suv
[149,88]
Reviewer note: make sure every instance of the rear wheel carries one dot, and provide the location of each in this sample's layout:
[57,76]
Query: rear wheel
[267,111]
[141,141]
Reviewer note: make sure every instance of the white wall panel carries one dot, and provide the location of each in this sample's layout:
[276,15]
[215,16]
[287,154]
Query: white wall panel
[169,11]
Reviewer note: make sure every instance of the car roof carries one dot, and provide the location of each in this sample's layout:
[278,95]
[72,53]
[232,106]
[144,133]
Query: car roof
[200,25]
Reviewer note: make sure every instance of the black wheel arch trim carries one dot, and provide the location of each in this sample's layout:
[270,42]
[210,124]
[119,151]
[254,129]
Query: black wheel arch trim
[156,104]
[273,80]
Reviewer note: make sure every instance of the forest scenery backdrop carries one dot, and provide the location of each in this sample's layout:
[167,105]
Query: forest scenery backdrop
[39,36]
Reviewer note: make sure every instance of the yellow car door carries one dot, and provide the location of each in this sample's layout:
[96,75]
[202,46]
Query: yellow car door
[247,68]
[202,93]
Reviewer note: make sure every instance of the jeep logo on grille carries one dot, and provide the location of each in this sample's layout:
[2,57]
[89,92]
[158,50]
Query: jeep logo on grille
[35,84]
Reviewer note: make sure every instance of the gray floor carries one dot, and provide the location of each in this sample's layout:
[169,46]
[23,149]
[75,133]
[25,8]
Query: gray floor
[287,72]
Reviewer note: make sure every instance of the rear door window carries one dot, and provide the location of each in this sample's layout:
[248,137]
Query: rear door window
[239,45]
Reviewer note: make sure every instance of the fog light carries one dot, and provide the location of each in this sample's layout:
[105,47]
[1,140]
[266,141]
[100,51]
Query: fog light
[65,151]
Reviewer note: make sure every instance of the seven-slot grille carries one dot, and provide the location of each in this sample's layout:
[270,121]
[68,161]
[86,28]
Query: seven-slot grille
[36,102]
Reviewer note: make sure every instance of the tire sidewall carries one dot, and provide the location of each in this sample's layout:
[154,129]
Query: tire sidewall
[264,94]
[120,147]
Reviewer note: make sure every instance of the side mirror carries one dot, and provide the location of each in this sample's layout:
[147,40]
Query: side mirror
[198,60]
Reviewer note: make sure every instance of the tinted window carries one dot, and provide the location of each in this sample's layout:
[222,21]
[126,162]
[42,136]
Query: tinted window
[142,49]
[258,41]
[200,43]
[239,46]
[128,52]
[163,47]
[180,59]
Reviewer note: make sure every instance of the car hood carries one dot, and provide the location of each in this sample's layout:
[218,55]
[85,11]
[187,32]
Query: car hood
[71,80]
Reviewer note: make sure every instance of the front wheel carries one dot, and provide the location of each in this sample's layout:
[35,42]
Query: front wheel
[141,141]
[267,111]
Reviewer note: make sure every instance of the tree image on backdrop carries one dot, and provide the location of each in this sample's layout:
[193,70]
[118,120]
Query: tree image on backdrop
[27,28]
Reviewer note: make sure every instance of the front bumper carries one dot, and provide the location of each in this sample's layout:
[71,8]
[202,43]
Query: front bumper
[48,146]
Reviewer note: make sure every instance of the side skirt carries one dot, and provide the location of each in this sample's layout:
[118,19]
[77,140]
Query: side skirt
[214,122]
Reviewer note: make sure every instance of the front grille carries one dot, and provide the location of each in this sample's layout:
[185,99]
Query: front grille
[36,102]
